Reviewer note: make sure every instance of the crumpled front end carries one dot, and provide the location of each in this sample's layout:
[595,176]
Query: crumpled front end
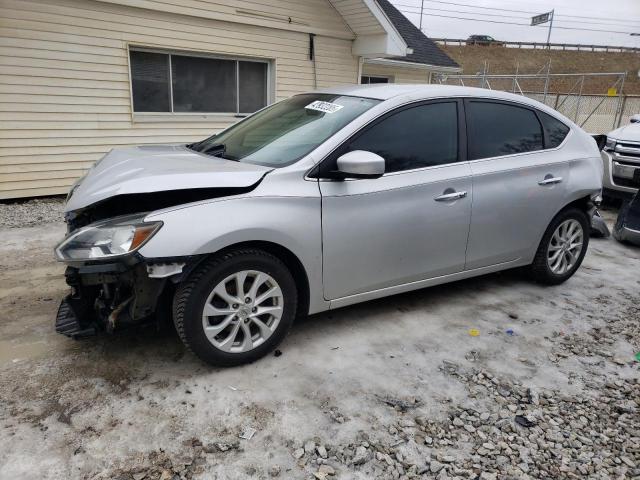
[112,285]
[109,297]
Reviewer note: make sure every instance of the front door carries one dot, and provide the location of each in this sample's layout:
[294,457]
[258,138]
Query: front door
[412,223]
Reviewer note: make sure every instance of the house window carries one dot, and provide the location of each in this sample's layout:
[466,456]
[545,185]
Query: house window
[182,83]
[367,79]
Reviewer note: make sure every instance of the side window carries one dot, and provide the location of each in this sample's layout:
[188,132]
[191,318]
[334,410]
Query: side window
[496,129]
[415,137]
[556,130]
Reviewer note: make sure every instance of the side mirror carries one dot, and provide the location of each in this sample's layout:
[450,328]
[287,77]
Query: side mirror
[360,164]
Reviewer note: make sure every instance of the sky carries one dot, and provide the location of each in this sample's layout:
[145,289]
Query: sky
[617,17]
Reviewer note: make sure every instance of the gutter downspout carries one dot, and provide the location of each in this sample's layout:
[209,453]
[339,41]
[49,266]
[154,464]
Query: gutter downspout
[312,57]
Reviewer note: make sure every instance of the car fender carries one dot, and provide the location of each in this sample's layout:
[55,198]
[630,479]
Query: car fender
[291,222]
[585,177]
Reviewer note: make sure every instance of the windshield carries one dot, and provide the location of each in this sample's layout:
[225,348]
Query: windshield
[285,132]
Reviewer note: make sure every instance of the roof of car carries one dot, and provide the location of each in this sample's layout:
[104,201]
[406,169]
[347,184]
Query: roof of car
[385,91]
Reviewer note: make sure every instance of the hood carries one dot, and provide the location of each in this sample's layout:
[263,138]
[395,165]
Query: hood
[629,133]
[159,168]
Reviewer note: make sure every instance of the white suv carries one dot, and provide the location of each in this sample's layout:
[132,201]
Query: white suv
[621,158]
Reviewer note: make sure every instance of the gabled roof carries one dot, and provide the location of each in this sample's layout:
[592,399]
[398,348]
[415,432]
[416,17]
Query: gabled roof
[425,51]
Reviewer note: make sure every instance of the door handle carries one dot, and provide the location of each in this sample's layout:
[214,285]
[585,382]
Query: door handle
[447,197]
[549,180]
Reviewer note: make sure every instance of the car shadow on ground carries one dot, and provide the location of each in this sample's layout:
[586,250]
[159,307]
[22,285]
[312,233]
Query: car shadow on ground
[163,344]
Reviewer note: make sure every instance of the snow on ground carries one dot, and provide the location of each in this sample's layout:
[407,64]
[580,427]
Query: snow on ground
[394,388]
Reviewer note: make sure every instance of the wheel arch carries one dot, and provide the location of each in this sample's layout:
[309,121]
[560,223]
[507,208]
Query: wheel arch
[583,203]
[291,261]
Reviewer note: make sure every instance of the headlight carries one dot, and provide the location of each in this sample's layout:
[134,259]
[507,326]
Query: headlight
[611,144]
[107,239]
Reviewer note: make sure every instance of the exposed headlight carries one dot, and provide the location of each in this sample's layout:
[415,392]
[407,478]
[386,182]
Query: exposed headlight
[611,144]
[107,239]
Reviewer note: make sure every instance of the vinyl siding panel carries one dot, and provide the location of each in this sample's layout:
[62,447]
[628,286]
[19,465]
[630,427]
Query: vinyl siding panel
[64,76]
[359,17]
[398,74]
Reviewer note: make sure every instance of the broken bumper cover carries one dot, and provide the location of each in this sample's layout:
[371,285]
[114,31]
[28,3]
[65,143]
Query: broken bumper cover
[598,225]
[107,296]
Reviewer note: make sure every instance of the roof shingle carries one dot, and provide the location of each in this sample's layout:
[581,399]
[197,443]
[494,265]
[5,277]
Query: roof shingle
[424,49]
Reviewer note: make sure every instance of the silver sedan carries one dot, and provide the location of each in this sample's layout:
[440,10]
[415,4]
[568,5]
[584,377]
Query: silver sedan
[320,201]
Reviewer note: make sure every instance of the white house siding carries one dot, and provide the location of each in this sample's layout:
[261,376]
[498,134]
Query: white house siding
[360,18]
[398,74]
[64,75]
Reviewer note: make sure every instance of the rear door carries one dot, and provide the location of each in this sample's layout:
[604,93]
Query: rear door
[518,184]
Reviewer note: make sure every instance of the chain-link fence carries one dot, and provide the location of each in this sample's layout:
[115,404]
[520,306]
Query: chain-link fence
[599,113]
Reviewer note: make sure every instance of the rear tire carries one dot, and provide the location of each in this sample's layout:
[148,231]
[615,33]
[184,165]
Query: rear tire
[558,256]
[236,307]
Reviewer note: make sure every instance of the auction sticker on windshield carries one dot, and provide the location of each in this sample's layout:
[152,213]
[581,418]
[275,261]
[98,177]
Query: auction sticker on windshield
[326,107]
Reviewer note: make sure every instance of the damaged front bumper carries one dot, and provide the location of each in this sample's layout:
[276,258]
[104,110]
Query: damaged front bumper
[111,296]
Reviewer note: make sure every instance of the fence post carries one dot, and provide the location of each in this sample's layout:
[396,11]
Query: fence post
[617,120]
[546,83]
[624,104]
[579,98]
[484,75]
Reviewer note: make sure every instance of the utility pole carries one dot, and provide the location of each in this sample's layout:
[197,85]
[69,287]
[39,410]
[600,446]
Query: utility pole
[421,12]
[550,26]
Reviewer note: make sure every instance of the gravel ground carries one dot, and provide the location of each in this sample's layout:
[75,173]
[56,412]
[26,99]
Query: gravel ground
[30,213]
[488,378]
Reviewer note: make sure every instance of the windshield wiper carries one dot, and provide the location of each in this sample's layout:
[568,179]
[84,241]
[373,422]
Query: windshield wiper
[215,150]
[194,146]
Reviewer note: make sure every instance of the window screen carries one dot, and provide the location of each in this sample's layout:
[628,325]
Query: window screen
[496,129]
[556,130]
[415,137]
[253,86]
[203,84]
[197,84]
[150,82]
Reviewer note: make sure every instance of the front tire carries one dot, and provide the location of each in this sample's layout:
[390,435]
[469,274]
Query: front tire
[236,307]
[562,247]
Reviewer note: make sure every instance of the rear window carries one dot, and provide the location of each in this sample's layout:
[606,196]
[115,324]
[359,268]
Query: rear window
[497,129]
[556,130]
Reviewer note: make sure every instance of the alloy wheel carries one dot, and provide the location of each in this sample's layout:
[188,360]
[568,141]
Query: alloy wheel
[565,246]
[242,311]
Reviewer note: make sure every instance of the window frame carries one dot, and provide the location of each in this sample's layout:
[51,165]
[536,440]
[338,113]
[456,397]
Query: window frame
[545,135]
[322,170]
[197,116]
[388,77]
